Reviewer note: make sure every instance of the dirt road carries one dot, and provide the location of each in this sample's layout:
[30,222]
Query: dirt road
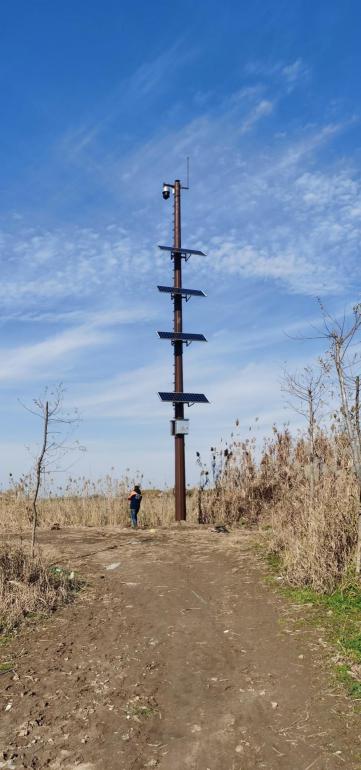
[176,656]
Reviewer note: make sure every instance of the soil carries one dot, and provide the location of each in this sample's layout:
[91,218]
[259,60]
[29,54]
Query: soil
[176,655]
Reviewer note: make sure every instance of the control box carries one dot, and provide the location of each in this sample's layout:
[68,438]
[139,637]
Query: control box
[179,427]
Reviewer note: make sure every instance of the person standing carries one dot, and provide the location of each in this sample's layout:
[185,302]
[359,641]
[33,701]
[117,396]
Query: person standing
[135,499]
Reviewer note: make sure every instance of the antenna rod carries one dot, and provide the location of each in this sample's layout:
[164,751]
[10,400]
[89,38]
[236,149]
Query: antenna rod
[180,475]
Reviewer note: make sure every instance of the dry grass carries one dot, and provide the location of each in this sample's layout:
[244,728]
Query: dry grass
[307,510]
[92,504]
[27,586]
[314,529]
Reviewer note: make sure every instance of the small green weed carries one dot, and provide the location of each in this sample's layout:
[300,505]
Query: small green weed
[137,710]
[352,644]
[6,666]
[301,595]
[63,576]
[274,562]
[353,687]
[35,616]
[338,612]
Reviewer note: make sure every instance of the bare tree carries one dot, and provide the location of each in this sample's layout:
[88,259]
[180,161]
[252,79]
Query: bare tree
[344,355]
[57,430]
[306,390]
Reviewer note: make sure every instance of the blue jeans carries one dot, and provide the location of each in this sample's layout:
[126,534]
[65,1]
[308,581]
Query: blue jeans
[134,517]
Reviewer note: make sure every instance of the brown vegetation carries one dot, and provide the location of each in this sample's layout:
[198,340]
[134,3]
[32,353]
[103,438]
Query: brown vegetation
[307,504]
[82,502]
[28,586]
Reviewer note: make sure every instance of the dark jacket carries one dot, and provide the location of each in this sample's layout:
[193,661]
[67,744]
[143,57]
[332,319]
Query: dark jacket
[134,501]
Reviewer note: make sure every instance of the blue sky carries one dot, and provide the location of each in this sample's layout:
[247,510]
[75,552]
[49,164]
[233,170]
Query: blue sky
[100,103]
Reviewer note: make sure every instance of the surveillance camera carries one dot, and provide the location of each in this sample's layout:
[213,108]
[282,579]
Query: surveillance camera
[166,192]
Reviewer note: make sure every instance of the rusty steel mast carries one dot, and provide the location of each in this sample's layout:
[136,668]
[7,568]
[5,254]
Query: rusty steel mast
[179,454]
[179,426]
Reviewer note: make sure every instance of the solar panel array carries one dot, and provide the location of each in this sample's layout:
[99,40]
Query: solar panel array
[182,337]
[183,398]
[182,251]
[183,292]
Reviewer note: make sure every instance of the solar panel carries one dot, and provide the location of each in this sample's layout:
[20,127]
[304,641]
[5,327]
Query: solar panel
[184,398]
[182,337]
[183,292]
[183,252]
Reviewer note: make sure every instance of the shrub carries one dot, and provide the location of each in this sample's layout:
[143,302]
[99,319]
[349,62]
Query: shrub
[28,586]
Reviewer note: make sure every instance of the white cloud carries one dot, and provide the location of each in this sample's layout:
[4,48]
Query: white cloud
[27,361]
[70,262]
[254,197]
[292,73]
[261,110]
[270,208]
[38,360]
[113,316]
[296,270]
[141,86]
[128,395]
[295,71]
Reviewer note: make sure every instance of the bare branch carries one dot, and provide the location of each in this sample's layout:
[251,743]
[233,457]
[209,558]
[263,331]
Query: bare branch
[55,444]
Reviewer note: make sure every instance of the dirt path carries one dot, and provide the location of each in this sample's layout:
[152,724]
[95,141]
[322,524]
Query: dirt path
[174,658]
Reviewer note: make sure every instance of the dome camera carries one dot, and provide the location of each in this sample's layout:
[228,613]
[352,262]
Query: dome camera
[166,192]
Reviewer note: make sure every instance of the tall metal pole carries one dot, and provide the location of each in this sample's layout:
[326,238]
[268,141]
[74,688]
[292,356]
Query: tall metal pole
[179,426]
[180,473]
